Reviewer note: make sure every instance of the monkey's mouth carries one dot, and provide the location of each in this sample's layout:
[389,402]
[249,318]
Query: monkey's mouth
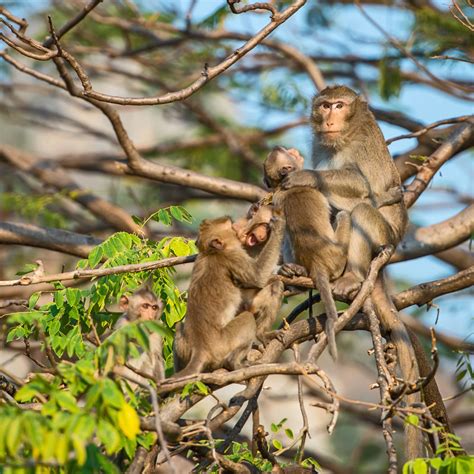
[252,240]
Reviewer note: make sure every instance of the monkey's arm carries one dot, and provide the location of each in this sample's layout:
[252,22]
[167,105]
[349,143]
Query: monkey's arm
[255,273]
[345,182]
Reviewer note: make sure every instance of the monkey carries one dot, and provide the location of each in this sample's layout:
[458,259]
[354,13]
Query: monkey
[144,305]
[317,248]
[352,165]
[214,334]
[253,231]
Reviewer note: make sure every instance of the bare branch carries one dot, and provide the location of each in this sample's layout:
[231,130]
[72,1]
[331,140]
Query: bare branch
[207,74]
[426,292]
[69,25]
[437,237]
[47,238]
[427,170]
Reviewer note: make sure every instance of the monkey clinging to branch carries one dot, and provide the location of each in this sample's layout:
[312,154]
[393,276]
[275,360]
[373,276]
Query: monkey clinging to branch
[353,166]
[144,305]
[315,245]
[214,334]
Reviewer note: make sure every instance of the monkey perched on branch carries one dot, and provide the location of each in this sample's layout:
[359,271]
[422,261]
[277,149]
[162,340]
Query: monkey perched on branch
[320,250]
[353,166]
[144,305]
[214,334]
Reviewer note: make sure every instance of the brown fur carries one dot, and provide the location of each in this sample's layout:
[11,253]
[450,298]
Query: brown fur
[352,167]
[214,334]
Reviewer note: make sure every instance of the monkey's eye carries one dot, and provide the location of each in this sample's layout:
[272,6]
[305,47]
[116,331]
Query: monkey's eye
[154,307]
[340,105]
[326,106]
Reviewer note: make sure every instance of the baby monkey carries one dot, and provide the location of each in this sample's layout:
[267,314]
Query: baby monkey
[218,331]
[315,245]
[144,305]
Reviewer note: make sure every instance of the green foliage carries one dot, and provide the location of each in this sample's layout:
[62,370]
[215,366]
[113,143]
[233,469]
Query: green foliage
[283,94]
[441,32]
[84,415]
[464,371]
[390,79]
[35,208]
[451,465]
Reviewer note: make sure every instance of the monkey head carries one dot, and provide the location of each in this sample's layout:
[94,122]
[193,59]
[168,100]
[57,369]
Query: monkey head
[254,229]
[142,305]
[216,235]
[279,163]
[332,115]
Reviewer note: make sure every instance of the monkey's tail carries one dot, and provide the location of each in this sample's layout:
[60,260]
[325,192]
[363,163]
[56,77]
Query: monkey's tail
[321,281]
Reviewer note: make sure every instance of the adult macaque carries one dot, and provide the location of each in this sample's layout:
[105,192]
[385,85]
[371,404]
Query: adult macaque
[353,166]
[144,305]
[214,334]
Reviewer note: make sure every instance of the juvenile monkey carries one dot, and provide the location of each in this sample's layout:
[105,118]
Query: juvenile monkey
[253,231]
[144,305]
[315,245]
[353,166]
[214,334]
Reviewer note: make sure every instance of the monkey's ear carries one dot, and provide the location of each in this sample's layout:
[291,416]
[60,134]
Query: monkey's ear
[266,182]
[123,303]
[296,155]
[216,244]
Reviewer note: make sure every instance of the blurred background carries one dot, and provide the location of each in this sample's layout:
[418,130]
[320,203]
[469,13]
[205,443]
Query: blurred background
[145,48]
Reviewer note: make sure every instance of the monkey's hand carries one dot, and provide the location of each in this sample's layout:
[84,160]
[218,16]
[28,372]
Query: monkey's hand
[304,178]
[392,196]
[291,270]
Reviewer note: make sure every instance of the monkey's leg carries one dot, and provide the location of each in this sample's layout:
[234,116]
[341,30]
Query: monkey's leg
[237,338]
[265,306]
[369,231]
[321,281]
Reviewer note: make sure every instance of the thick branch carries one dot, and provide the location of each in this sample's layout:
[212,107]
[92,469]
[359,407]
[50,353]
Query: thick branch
[47,238]
[437,237]
[426,292]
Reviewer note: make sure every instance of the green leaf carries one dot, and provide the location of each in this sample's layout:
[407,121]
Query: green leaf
[277,444]
[59,298]
[28,268]
[34,299]
[289,433]
[25,393]
[202,388]
[80,449]
[95,256]
[62,449]
[137,220]
[14,436]
[111,395]
[67,401]
[420,466]
[109,436]
[128,421]
[412,420]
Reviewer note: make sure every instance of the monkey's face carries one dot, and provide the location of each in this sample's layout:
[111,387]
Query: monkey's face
[331,117]
[280,163]
[255,228]
[142,305]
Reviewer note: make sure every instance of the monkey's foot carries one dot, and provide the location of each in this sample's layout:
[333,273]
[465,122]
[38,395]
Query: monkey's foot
[291,270]
[346,286]
[253,355]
